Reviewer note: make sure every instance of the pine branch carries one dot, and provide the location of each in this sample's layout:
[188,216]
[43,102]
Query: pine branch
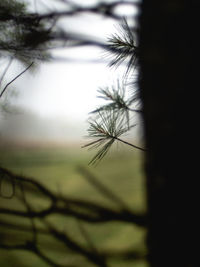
[117,100]
[106,131]
[124,47]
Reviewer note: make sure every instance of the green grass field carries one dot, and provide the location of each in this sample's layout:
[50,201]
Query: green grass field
[57,168]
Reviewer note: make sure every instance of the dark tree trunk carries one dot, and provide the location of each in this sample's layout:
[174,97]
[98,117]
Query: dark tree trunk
[169,54]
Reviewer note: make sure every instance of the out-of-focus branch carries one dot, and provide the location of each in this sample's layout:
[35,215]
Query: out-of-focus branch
[103,8]
[41,31]
[32,247]
[74,246]
[80,209]
[65,207]
[106,192]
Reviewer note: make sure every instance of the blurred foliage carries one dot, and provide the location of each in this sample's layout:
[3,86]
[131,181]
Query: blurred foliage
[22,36]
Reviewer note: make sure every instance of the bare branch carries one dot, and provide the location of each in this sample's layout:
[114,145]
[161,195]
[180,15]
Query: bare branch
[21,73]
[74,246]
[78,208]
[32,247]
[82,210]
[102,188]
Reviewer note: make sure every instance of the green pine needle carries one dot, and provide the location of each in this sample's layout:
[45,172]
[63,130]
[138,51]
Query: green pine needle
[116,99]
[106,129]
[115,96]
[123,47]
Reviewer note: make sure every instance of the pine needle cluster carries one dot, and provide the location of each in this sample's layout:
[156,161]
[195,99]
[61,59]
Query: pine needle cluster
[113,119]
[115,100]
[106,128]
[123,46]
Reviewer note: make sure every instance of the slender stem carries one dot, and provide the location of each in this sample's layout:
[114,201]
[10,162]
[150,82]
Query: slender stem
[127,143]
[135,110]
[15,79]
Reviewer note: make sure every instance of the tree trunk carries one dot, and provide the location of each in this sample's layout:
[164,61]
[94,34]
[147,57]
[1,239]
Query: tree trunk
[169,53]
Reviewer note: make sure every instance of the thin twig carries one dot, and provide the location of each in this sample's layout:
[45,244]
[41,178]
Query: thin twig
[29,246]
[135,110]
[15,79]
[129,144]
[78,208]
[102,188]
[28,207]
[75,246]
[4,176]
[87,238]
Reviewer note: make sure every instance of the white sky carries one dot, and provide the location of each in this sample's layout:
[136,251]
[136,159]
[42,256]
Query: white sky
[66,90]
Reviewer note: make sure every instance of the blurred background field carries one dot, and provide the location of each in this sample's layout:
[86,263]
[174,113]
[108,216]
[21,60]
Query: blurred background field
[51,104]
[57,167]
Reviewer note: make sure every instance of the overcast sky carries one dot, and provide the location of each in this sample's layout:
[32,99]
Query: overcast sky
[64,90]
